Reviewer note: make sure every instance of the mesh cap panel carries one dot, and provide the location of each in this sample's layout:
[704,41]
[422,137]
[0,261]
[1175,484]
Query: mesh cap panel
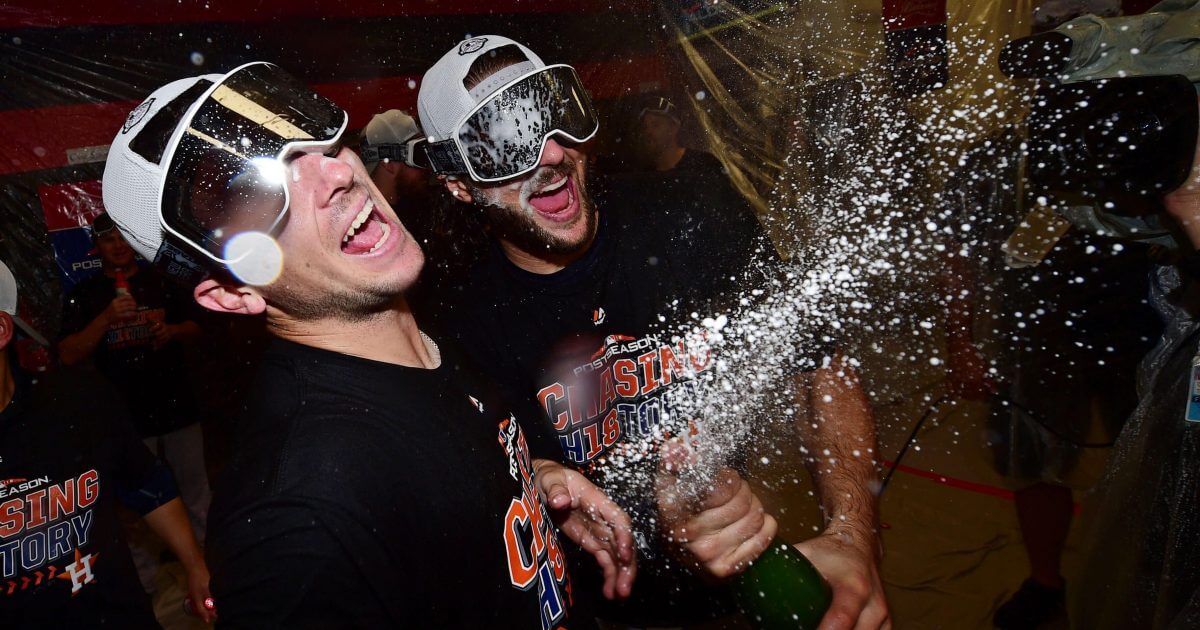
[443,100]
[131,182]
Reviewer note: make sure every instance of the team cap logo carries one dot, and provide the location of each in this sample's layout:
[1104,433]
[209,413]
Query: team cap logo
[471,45]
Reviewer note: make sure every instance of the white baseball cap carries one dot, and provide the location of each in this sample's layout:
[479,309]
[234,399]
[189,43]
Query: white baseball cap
[188,157]
[391,127]
[132,178]
[8,303]
[444,100]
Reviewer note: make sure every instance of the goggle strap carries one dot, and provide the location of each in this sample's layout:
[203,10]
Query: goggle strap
[388,151]
[179,264]
[445,158]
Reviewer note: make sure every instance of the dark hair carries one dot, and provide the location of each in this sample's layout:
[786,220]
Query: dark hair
[101,225]
[492,62]
[457,239]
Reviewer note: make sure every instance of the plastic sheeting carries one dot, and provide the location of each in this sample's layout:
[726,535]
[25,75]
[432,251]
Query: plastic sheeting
[1143,565]
[793,97]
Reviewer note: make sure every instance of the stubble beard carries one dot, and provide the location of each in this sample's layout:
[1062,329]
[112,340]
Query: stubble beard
[518,225]
[316,300]
[346,306]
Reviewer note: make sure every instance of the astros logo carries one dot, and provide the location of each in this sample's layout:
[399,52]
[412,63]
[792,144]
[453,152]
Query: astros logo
[598,316]
[79,572]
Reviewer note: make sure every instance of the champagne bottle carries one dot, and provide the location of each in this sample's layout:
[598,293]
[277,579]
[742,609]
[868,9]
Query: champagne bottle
[782,589]
[121,282]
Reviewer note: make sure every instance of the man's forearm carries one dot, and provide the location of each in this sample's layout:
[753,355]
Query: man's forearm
[170,522]
[76,347]
[840,449]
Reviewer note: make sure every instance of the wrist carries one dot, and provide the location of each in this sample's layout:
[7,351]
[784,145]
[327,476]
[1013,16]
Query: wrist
[862,536]
[195,566]
[541,466]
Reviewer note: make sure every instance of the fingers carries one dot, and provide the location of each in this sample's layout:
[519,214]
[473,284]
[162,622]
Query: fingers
[857,609]
[609,570]
[726,538]
[723,504]
[843,613]
[729,552]
[858,597]
[618,526]
[590,536]
[875,615]
[123,307]
[558,496]
[200,604]
[625,578]
[727,486]
[728,529]
[729,504]
[840,616]
[616,560]
[598,525]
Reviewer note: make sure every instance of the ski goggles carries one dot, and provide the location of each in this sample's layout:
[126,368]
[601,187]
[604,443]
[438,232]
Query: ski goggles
[226,171]
[504,135]
[410,152]
[661,106]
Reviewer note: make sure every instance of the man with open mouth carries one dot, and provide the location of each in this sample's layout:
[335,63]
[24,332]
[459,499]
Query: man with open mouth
[564,309]
[375,483]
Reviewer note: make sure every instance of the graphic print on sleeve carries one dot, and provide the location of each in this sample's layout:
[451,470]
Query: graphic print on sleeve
[534,554]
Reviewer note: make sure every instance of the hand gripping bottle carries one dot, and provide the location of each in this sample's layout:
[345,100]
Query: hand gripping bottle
[782,589]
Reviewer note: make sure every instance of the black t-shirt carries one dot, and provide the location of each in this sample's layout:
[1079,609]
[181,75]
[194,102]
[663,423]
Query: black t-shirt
[699,164]
[371,495]
[67,455]
[590,346]
[151,380]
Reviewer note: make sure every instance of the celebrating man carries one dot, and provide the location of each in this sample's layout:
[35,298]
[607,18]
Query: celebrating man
[565,308]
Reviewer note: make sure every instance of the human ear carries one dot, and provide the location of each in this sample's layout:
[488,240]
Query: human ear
[226,297]
[458,190]
[6,331]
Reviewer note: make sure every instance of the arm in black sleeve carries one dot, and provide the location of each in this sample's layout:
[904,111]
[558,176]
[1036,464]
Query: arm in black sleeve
[144,482]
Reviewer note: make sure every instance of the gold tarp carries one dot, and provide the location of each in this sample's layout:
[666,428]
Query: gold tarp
[792,95]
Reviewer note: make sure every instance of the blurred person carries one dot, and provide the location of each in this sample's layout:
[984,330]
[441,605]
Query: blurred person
[386,154]
[1141,566]
[375,482]
[566,278]
[133,323]
[392,153]
[68,457]
[656,127]
[1053,346]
